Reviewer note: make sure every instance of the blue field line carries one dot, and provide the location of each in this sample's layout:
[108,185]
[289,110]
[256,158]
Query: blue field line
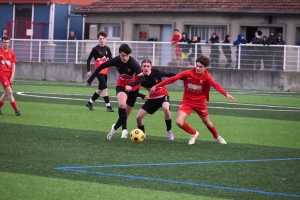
[79,169]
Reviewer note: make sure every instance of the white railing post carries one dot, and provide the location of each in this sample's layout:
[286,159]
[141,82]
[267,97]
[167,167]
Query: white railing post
[114,51]
[196,52]
[153,54]
[239,56]
[284,57]
[76,53]
[40,50]
[298,60]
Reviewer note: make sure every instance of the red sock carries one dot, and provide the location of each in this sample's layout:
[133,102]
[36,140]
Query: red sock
[186,127]
[213,131]
[1,104]
[14,105]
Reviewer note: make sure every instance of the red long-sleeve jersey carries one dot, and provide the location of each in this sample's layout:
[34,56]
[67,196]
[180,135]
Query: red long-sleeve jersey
[196,86]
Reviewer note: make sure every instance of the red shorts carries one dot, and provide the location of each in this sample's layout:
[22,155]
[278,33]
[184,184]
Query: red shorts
[4,80]
[200,109]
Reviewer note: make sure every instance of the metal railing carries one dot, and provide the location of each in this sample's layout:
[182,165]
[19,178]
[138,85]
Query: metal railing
[256,57]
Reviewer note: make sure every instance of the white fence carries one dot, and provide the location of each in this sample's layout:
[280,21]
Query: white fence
[256,57]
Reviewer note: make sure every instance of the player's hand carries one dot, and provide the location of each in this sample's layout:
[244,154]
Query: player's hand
[11,80]
[231,98]
[89,73]
[146,98]
[152,90]
[128,88]
[88,84]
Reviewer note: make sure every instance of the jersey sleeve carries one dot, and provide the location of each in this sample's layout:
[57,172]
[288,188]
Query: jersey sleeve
[216,85]
[172,79]
[88,61]
[165,74]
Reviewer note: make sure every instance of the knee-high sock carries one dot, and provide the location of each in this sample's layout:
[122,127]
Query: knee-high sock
[168,124]
[187,128]
[213,131]
[123,117]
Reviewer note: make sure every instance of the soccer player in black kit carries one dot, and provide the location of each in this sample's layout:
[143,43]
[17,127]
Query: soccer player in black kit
[160,98]
[101,53]
[128,85]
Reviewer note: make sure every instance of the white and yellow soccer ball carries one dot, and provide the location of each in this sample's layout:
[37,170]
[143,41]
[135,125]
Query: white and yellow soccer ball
[137,135]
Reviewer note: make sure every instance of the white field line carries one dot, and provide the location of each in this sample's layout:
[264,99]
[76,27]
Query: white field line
[296,109]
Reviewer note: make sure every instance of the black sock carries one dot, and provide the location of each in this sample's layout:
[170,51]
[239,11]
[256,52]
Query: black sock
[123,117]
[95,96]
[106,100]
[118,124]
[168,124]
[142,128]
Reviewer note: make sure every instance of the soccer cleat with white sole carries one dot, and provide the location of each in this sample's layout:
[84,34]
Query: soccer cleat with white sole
[170,135]
[221,140]
[193,138]
[124,133]
[111,132]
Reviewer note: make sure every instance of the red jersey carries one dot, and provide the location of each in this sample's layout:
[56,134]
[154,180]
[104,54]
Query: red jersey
[176,38]
[196,86]
[6,60]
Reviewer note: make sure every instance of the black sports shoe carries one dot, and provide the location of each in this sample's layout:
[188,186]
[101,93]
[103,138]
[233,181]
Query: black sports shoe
[1,113]
[89,105]
[109,109]
[17,112]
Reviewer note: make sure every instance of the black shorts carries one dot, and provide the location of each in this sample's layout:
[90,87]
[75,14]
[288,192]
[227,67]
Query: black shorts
[152,105]
[131,96]
[102,79]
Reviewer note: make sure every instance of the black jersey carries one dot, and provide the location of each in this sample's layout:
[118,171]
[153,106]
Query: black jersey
[98,52]
[154,78]
[130,72]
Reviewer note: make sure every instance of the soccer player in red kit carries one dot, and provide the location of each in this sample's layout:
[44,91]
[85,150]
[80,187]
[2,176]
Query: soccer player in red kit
[177,50]
[128,85]
[160,98]
[197,82]
[7,74]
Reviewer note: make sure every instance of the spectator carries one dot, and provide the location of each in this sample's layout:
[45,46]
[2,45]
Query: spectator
[227,51]
[185,48]
[192,58]
[255,51]
[72,47]
[272,41]
[265,52]
[214,50]
[174,40]
[241,40]
[279,51]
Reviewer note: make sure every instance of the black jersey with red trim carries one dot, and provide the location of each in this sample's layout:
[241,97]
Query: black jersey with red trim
[129,72]
[98,52]
[154,78]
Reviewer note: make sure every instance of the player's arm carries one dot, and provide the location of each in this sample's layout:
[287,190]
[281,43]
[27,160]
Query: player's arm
[102,66]
[142,96]
[138,71]
[88,62]
[166,74]
[140,80]
[167,81]
[13,69]
[220,89]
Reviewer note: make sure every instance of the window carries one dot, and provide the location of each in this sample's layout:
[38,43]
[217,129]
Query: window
[113,31]
[204,32]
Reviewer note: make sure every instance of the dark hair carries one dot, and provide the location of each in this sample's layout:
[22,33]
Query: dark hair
[102,33]
[259,32]
[203,60]
[176,29]
[5,38]
[146,61]
[125,48]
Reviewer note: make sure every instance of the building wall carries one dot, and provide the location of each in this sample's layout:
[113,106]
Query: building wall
[235,22]
[6,14]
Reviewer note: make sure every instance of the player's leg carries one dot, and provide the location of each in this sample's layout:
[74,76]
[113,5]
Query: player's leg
[122,120]
[206,120]
[2,100]
[105,95]
[139,119]
[183,112]
[166,108]
[8,93]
